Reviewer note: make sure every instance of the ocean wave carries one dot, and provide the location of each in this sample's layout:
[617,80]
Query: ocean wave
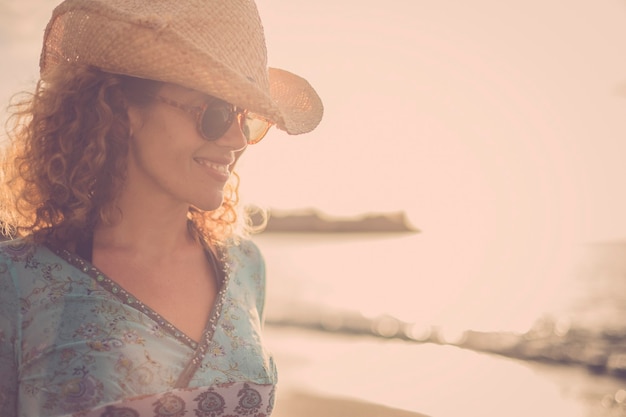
[557,341]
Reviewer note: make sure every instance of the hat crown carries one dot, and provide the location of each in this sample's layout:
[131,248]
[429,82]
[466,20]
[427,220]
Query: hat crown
[230,32]
[235,34]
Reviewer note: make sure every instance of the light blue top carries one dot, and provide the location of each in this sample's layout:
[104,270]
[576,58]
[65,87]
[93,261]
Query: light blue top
[72,339]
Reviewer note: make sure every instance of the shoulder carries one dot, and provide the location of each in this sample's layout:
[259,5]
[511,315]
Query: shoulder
[245,246]
[16,251]
[15,256]
[245,268]
[244,253]
[244,264]
[22,251]
[22,261]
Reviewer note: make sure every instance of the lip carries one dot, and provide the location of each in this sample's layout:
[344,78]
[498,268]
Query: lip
[219,169]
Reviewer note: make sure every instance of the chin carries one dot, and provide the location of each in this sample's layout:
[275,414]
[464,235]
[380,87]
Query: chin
[208,205]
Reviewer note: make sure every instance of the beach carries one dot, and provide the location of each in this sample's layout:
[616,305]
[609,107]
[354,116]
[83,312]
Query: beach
[325,374]
[301,403]
[381,325]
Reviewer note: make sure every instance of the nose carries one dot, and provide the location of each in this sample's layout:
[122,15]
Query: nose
[234,138]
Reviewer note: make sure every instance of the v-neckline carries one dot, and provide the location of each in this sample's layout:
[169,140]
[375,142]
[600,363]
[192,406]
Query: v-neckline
[127,298]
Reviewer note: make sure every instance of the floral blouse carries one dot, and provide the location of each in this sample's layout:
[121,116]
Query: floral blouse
[74,343]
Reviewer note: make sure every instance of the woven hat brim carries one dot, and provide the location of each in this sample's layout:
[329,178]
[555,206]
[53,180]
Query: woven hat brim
[297,101]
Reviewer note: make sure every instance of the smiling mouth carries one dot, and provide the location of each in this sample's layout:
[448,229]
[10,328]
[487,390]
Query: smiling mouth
[221,168]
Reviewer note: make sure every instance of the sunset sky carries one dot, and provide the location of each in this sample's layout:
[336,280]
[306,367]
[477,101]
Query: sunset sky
[504,120]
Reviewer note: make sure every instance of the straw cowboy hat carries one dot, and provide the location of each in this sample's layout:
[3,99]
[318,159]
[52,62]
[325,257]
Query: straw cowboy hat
[213,46]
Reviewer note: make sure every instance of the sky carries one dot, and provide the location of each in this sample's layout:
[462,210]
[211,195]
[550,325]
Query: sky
[499,120]
[504,119]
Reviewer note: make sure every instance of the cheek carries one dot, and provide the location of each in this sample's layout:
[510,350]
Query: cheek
[154,123]
[160,139]
[155,149]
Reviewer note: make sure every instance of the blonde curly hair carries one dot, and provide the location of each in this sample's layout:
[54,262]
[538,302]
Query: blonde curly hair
[66,159]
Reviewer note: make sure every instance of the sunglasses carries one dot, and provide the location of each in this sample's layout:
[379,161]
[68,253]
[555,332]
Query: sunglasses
[216,116]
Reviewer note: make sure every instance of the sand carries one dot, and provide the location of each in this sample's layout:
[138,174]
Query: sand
[303,404]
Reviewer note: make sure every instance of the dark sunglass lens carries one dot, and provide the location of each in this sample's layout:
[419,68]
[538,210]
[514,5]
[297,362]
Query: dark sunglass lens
[216,120]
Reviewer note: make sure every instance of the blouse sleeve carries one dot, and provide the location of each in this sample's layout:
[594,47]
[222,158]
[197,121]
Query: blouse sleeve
[9,316]
[262,289]
[255,265]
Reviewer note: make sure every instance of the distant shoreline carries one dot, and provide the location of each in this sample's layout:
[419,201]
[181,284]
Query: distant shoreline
[600,352]
[314,221]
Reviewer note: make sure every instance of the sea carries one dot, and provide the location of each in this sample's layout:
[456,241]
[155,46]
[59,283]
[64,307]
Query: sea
[422,318]
[417,280]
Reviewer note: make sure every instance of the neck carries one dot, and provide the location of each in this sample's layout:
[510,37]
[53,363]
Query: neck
[154,229]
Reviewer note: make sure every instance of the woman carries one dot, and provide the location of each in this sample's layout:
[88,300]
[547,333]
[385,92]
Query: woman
[130,288]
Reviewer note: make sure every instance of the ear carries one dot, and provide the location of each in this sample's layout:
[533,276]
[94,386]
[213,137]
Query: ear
[135,118]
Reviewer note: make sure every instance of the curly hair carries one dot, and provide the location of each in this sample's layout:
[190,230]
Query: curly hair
[66,159]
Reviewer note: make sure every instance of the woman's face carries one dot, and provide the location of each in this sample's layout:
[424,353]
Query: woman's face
[170,163]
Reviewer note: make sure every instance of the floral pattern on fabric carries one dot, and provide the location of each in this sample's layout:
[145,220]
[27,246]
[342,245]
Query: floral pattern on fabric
[169,405]
[235,399]
[78,340]
[210,404]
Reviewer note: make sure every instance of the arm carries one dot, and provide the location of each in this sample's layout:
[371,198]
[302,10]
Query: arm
[9,318]
[262,290]
[260,280]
